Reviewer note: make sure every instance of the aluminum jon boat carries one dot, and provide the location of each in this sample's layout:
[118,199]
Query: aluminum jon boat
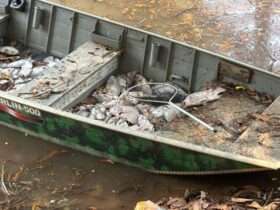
[91,49]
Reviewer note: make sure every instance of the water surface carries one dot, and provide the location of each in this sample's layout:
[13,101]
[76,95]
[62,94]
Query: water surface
[87,181]
[245,30]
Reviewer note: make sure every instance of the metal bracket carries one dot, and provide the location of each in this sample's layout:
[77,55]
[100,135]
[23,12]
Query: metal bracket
[105,40]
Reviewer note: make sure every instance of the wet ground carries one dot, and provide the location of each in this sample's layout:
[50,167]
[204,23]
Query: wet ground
[55,176]
[245,30]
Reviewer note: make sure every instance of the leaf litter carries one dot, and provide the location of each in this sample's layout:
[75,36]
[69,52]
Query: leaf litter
[245,198]
[19,187]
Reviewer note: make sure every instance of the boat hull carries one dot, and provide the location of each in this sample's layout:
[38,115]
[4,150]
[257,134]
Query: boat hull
[141,152]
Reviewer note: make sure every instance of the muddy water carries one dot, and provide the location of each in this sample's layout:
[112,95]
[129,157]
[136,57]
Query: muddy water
[99,183]
[245,30]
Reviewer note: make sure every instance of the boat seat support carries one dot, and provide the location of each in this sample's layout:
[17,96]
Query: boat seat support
[106,40]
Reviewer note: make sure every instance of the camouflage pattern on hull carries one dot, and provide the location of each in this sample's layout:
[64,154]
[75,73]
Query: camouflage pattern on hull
[132,150]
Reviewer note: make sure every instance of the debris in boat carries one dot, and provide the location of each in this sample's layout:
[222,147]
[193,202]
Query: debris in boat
[8,50]
[140,80]
[22,70]
[203,97]
[137,105]
[109,106]
[5,84]
[47,86]
[168,112]
[144,124]
[113,86]
[165,92]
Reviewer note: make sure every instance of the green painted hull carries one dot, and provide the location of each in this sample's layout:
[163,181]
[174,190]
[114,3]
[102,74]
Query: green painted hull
[145,153]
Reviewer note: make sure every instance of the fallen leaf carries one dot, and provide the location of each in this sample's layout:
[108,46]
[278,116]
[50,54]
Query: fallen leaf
[241,200]
[50,155]
[16,175]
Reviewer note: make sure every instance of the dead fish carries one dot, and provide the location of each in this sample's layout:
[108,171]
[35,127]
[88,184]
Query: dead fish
[130,114]
[158,112]
[100,116]
[130,78]
[164,92]
[136,94]
[8,50]
[122,123]
[167,112]
[115,110]
[52,62]
[144,124]
[113,86]
[131,97]
[98,113]
[83,108]
[5,84]
[83,113]
[170,113]
[93,113]
[26,69]
[113,120]
[15,64]
[140,80]
[123,81]
[15,73]
[110,104]
[145,109]
[202,97]
[22,81]
[39,70]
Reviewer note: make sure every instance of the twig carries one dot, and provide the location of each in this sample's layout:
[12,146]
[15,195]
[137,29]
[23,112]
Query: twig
[140,22]
[269,197]
[183,11]
[3,59]
[3,186]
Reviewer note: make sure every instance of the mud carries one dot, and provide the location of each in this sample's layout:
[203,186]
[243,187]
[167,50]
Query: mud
[99,183]
[246,31]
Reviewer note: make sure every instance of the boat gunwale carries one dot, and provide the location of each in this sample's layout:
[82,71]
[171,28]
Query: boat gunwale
[221,56]
[146,135]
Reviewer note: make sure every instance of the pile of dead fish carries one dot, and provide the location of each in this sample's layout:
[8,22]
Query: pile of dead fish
[115,105]
[17,70]
[249,197]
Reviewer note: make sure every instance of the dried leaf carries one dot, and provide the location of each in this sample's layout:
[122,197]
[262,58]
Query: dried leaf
[241,200]
[51,154]
[16,175]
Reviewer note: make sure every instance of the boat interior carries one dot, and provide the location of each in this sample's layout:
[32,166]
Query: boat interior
[90,50]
